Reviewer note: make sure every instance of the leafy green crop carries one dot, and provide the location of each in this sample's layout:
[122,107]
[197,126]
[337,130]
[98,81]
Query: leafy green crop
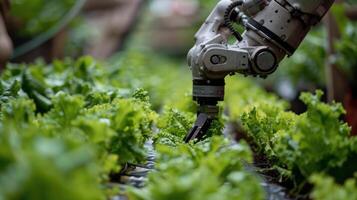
[318,140]
[35,165]
[38,16]
[211,169]
[301,145]
[327,189]
[97,118]
[71,94]
[242,94]
[173,125]
[64,129]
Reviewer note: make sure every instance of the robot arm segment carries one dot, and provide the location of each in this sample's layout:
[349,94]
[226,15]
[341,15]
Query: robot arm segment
[273,29]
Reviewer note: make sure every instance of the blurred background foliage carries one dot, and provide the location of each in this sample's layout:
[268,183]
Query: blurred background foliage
[168,27]
[37,16]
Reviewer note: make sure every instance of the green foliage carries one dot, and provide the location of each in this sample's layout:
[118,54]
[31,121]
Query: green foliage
[19,110]
[207,7]
[301,145]
[38,16]
[104,114]
[9,90]
[242,94]
[352,2]
[132,122]
[72,93]
[65,127]
[212,169]
[167,82]
[319,130]
[87,131]
[36,90]
[36,165]
[309,61]
[345,45]
[263,124]
[327,189]
[173,125]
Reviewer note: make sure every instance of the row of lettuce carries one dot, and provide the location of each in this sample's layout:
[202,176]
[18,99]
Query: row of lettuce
[301,149]
[65,129]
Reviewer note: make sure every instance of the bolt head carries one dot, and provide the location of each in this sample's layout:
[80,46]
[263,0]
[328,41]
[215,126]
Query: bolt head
[215,59]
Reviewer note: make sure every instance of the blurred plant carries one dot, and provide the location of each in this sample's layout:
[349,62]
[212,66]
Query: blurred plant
[307,65]
[78,36]
[207,6]
[325,188]
[351,2]
[37,16]
[166,80]
[36,165]
[243,94]
[346,48]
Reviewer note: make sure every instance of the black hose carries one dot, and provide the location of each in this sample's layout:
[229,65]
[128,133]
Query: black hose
[228,19]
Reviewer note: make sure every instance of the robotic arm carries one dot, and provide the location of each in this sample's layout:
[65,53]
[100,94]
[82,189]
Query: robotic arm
[273,29]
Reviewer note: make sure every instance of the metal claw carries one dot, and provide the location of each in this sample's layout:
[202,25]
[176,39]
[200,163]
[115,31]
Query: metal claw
[199,129]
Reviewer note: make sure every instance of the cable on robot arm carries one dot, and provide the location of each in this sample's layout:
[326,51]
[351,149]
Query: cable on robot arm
[228,18]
